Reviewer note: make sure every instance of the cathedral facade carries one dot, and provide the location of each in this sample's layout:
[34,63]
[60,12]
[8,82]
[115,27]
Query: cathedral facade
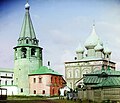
[93,56]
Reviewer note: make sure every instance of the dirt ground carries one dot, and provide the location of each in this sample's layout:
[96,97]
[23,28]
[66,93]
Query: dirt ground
[29,101]
[38,101]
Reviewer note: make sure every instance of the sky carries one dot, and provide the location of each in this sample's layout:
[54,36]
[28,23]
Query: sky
[60,25]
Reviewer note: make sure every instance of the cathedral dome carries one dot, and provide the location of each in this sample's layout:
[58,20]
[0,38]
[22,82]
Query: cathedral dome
[107,50]
[79,49]
[98,47]
[92,40]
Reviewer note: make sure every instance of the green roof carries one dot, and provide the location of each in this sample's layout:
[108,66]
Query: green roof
[103,78]
[110,82]
[27,26]
[44,70]
[27,45]
[93,80]
[107,71]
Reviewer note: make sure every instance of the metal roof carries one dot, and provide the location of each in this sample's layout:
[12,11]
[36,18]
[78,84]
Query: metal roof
[44,70]
[103,78]
[110,82]
[27,27]
[107,71]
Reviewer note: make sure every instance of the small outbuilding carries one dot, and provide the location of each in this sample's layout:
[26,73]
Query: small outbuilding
[101,85]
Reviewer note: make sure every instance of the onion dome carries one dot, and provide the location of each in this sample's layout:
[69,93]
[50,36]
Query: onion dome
[79,49]
[107,50]
[98,47]
[92,40]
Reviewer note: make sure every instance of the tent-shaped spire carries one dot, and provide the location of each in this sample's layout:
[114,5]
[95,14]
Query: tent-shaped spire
[27,30]
[27,27]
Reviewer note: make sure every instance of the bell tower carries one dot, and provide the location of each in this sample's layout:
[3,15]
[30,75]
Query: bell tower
[27,54]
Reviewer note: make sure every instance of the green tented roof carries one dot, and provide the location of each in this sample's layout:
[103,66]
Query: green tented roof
[45,70]
[27,27]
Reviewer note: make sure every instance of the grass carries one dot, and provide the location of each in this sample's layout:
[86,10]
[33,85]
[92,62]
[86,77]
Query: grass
[38,99]
[26,98]
[41,99]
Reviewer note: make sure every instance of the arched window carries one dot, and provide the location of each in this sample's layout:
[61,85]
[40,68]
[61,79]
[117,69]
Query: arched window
[27,41]
[53,91]
[33,52]
[76,73]
[0,82]
[34,80]
[23,50]
[69,74]
[21,90]
[34,91]
[43,92]
[6,82]
[40,80]
[12,82]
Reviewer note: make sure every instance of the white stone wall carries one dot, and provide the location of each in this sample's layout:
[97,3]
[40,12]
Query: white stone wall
[11,90]
[74,71]
[6,81]
[6,78]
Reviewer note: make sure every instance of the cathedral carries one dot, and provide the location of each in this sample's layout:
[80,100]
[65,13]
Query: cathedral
[93,56]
